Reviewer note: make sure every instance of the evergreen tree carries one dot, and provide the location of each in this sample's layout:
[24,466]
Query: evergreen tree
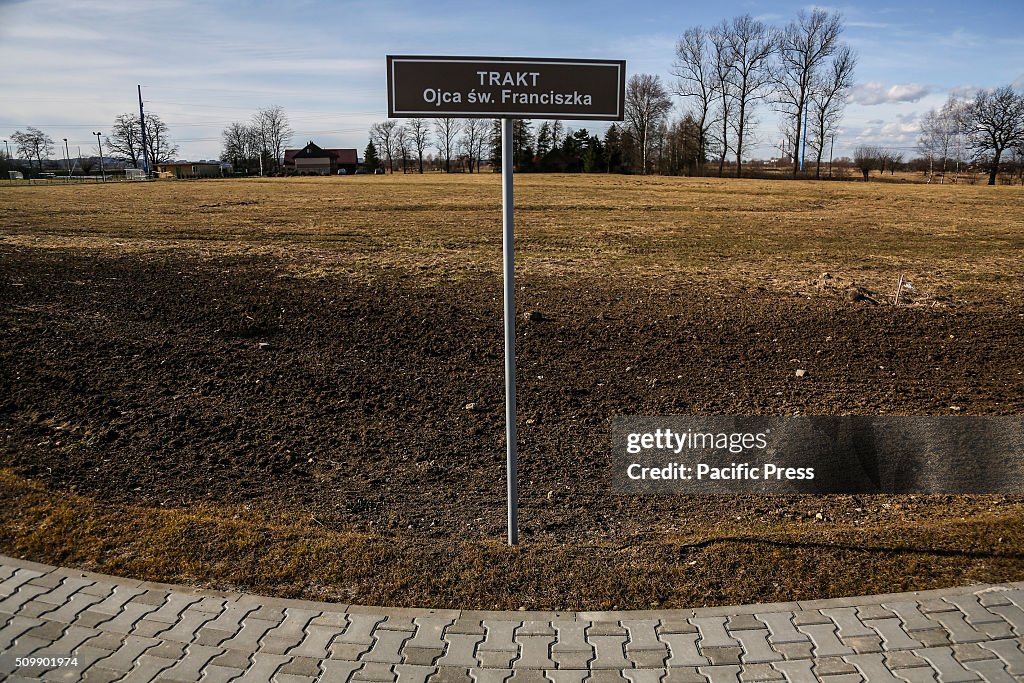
[544,139]
[613,149]
[594,160]
[371,162]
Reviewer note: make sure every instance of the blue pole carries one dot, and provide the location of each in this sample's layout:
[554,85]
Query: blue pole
[803,141]
[142,123]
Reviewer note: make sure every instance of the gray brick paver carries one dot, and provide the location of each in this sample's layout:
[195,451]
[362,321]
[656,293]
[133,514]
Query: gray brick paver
[429,633]
[461,651]
[991,671]
[570,636]
[26,592]
[565,675]
[683,650]
[958,628]
[642,634]
[1011,651]
[413,673]
[643,675]
[534,652]
[712,632]
[609,652]
[1012,615]
[123,658]
[125,620]
[186,630]
[147,669]
[68,587]
[972,608]
[247,639]
[173,608]
[72,607]
[721,674]
[826,644]
[116,600]
[910,615]
[11,584]
[499,636]
[759,672]
[263,666]
[215,673]
[121,630]
[288,634]
[189,668]
[374,671]
[337,671]
[850,626]
[892,634]
[872,667]
[359,629]
[780,626]
[948,669]
[796,671]
[387,646]
[756,649]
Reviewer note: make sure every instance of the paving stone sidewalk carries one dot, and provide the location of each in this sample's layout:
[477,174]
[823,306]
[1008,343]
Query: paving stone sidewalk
[125,630]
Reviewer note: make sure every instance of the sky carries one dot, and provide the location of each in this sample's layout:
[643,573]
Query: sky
[70,68]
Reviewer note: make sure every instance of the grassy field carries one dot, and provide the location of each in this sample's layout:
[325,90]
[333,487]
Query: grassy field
[147,430]
[950,240]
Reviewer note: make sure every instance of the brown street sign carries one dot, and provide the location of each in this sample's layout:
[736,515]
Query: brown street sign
[505,87]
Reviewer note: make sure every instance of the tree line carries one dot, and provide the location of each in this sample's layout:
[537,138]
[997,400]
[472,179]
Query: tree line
[125,142]
[723,73]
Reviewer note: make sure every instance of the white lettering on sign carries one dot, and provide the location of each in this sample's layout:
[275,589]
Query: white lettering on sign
[523,78]
[574,98]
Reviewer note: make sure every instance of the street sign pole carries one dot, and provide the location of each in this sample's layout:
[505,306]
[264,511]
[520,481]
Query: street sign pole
[507,89]
[508,250]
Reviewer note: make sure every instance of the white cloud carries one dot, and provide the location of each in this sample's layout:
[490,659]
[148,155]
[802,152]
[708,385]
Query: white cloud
[873,93]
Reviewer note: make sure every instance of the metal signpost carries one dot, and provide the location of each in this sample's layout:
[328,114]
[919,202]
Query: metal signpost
[506,88]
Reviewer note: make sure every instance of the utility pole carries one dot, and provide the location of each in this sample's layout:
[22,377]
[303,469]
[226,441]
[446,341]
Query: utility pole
[145,144]
[103,173]
[10,166]
[831,147]
[67,160]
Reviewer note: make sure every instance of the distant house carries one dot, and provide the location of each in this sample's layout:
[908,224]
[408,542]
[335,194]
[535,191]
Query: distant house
[191,169]
[315,160]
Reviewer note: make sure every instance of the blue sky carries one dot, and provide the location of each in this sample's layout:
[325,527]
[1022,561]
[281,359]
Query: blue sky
[71,67]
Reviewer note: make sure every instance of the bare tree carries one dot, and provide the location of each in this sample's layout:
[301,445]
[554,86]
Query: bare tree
[473,133]
[385,136]
[447,130]
[803,46]
[995,123]
[724,91]
[694,71]
[940,136]
[751,47]
[275,131]
[158,142]
[647,104]
[419,135]
[403,143]
[828,97]
[125,140]
[241,146]
[33,144]
[865,157]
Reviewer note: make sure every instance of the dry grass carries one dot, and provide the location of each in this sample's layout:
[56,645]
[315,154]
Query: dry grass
[963,242]
[952,240]
[286,555]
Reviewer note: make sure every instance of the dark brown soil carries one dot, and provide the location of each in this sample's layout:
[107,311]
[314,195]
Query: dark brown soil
[164,379]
